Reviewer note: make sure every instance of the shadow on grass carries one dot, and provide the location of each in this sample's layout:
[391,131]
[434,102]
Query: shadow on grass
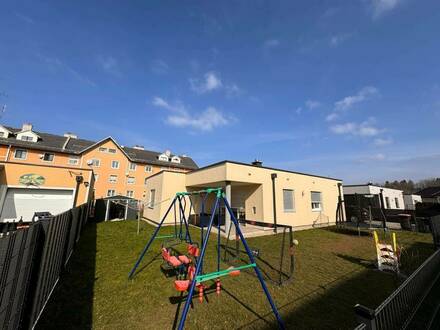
[71,303]
[348,230]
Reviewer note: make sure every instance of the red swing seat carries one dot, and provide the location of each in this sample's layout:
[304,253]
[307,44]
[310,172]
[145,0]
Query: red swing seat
[174,261]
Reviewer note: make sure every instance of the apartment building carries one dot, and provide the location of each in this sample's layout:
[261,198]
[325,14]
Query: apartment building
[45,172]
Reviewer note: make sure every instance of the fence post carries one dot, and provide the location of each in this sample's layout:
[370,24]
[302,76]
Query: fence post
[366,316]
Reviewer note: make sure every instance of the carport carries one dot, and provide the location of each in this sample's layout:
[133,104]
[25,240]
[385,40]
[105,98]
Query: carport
[116,207]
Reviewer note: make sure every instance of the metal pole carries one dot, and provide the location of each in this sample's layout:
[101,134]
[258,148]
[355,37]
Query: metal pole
[183,219]
[257,270]
[136,265]
[199,263]
[274,176]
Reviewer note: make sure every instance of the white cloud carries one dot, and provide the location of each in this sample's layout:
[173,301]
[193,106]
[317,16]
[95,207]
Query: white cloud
[180,116]
[382,141]
[24,18]
[298,110]
[313,104]
[271,43]
[332,116]
[210,82]
[109,64]
[363,95]
[380,7]
[159,67]
[233,90]
[364,129]
[338,39]
[55,64]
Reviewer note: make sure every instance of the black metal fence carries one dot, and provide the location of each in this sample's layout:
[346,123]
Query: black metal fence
[397,311]
[31,261]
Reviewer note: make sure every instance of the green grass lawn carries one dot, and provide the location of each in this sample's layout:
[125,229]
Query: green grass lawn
[333,271]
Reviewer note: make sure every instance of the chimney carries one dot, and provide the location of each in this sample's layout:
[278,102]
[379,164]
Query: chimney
[26,127]
[70,135]
[138,147]
[168,153]
[257,162]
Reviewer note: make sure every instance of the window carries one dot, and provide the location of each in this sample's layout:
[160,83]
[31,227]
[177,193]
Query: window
[20,154]
[288,200]
[316,201]
[102,149]
[115,164]
[111,192]
[113,178]
[387,202]
[397,202]
[175,159]
[73,160]
[132,167]
[48,157]
[94,162]
[163,158]
[145,181]
[96,177]
[26,138]
[148,168]
[2,134]
[130,193]
[130,180]
[152,198]
[111,151]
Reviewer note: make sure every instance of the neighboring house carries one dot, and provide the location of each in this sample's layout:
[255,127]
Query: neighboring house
[430,195]
[301,200]
[411,200]
[46,172]
[389,198]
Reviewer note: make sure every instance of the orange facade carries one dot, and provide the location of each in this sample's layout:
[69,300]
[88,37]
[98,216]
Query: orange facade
[113,173]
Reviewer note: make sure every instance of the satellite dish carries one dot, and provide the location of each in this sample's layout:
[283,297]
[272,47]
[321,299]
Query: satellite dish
[90,162]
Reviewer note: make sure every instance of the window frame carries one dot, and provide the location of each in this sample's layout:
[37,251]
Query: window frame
[292,192]
[396,201]
[22,150]
[148,168]
[152,201]
[48,161]
[316,209]
[111,195]
[131,177]
[130,166]
[111,150]
[113,176]
[103,149]
[130,195]
[76,158]
[117,167]
[387,202]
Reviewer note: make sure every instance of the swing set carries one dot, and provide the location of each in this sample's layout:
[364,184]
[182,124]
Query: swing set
[190,267]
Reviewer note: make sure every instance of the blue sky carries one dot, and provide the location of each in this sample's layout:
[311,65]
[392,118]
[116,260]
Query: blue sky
[348,89]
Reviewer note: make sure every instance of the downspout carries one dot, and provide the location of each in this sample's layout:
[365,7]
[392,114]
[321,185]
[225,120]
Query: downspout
[341,204]
[79,180]
[382,207]
[274,176]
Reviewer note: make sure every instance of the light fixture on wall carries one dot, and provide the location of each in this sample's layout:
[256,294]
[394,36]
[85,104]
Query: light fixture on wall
[86,184]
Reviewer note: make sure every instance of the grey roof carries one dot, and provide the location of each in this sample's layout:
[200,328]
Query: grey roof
[55,143]
[429,192]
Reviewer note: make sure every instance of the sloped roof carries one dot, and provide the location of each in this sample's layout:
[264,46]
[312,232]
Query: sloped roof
[429,192]
[62,144]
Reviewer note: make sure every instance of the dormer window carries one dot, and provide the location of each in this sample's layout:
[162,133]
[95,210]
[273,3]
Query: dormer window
[4,132]
[175,159]
[27,136]
[163,158]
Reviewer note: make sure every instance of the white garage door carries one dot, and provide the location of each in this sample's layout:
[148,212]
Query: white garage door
[23,202]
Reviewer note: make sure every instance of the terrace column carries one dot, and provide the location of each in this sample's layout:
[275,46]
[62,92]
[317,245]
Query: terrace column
[228,194]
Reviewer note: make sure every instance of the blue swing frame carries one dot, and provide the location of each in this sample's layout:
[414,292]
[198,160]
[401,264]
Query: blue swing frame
[220,198]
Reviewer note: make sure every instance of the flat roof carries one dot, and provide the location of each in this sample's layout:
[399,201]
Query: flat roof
[264,167]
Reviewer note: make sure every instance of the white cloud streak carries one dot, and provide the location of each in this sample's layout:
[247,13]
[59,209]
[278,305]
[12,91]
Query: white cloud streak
[159,67]
[380,7]
[312,104]
[380,142]
[364,129]
[364,94]
[210,82]
[271,43]
[180,116]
